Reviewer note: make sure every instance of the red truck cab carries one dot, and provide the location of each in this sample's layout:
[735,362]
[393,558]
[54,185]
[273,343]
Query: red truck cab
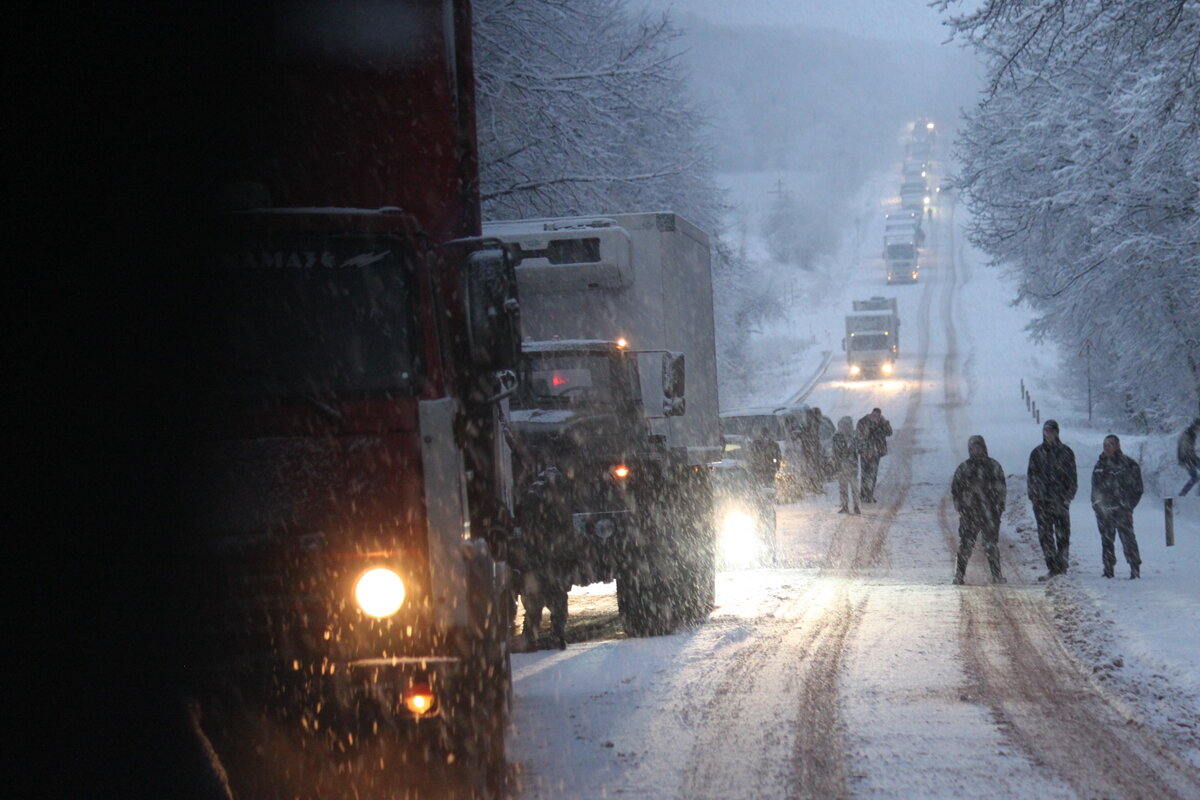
[351,502]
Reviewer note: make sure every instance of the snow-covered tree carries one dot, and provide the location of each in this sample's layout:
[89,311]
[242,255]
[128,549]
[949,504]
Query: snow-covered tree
[583,108]
[1082,167]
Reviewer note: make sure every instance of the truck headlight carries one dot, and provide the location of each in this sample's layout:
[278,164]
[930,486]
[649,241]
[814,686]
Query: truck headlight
[737,535]
[379,592]
[886,368]
[854,370]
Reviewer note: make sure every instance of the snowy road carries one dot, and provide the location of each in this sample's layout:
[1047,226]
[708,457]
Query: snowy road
[855,669]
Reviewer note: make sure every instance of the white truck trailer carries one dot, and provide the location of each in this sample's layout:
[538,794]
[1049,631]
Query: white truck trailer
[872,341]
[612,308]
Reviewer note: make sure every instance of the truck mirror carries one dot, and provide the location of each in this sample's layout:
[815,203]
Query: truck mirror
[492,310]
[673,384]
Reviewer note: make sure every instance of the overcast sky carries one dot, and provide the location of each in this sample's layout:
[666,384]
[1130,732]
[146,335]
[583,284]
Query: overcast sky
[907,20]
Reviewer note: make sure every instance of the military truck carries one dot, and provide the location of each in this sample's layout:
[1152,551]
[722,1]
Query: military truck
[872,341]
[612,306]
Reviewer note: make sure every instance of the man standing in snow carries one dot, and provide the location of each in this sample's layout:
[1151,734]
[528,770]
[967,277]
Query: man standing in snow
[763,457]
[809,434]
[1116,490]
[874,430]
[1052,484]
[979,493]
[1187,456]
[845,449]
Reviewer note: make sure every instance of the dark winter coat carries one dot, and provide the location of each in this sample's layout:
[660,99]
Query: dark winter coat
[1052,474]
[978,488]
[1116,483]
[845,450]
[874,432]
[1187,446]
[763,456]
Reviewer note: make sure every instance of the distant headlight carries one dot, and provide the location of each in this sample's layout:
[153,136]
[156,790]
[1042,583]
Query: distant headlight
[379,592]
[886,368]
[854,370]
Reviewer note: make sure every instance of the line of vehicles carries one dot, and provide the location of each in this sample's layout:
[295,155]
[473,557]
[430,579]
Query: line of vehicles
[903,236]
[400,396]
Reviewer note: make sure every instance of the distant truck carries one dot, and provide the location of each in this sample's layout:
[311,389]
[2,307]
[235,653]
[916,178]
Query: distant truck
[611,307]
[901,257]
[914,194]
[872,341]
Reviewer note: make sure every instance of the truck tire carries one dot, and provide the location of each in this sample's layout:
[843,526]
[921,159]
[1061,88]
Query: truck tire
[696,553]
[647,576]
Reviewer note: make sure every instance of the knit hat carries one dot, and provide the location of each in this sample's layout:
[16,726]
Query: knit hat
[1051,425]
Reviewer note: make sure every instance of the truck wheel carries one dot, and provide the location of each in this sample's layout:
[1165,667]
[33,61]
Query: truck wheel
[646,605]
[698,558]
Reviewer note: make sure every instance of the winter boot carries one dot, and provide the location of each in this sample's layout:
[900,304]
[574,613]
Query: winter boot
[999,579]
[1135,571]
[958,579]
[843,510]
[857,510]
[1108,572]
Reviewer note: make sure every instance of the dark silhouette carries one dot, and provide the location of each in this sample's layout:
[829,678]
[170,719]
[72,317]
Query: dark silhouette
[1052,485]
[1188,458]
[979,493]
[874,429]
[1116,490]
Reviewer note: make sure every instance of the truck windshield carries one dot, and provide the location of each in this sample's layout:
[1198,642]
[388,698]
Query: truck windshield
[901,251]
[870,341]
[332,316]
[567,381]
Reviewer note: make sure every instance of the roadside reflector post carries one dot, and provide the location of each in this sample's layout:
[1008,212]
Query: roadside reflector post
[1169,512]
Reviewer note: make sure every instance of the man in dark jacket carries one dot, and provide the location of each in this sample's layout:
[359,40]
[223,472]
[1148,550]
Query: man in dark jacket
[809,435]
[762,457]
[979,493]
[1052,485]
[845,450]
[545,556]
[1187,456]
[1116,490]
[874,430]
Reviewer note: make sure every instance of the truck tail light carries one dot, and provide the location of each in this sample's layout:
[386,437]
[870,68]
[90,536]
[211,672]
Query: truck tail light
[620,472]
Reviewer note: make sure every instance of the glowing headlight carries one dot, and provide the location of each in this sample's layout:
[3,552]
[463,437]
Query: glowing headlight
[886,368]
[738,542]
[620,472]
[379,592]
[854,370]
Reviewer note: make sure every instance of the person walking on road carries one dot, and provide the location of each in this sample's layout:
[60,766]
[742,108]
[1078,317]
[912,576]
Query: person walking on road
[809,434]
[846,447]
[874,430]
[979,492]
[1052,483]
[1116,490]
[762,457]
[1188,458]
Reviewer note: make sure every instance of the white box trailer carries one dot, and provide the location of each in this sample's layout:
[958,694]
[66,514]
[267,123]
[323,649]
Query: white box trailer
[644,277]
[634,445]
